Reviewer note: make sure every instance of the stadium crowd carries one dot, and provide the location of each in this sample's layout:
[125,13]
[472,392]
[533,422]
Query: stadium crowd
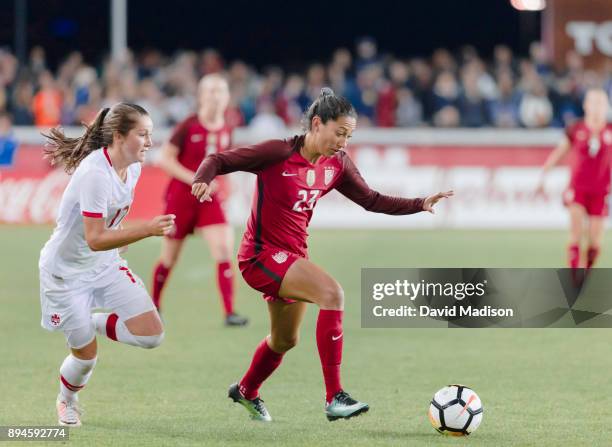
[444,90]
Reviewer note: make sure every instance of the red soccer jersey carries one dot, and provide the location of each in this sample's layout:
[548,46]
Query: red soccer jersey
[288,188]
[195,142]
[591,159]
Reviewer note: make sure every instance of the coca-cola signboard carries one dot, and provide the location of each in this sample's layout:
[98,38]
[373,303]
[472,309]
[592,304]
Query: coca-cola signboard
[494,187]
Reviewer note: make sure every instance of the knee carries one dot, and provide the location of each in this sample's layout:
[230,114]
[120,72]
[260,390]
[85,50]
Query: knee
[283,343]
[221,252]
[150,341]
[332,296]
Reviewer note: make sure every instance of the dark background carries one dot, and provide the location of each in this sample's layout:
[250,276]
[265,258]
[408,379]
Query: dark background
[274,32]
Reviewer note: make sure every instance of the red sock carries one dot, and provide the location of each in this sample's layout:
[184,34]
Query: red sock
[573,256]
[329,343]
[592,254]
[264,362]
[225,281]
[160,276]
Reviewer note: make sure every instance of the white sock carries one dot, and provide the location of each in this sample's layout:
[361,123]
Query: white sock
[113,327]
[74,374]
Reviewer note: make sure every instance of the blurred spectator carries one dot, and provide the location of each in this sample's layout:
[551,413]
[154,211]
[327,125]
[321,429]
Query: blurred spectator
[504,109]
[47,103]
[447,89]
[8,143]
[535,109]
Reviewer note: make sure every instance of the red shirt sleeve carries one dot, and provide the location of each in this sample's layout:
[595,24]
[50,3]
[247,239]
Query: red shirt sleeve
[570,132]
[180,133]
[253,159]
[354,187]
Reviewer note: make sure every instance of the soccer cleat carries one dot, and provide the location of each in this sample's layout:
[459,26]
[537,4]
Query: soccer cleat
[68,412]
[343,406]
[255,407]
[236,320]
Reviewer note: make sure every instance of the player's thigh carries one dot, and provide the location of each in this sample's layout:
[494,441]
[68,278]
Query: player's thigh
[125,294]
[285,322]
[170,251]
[305,281]
[220,240]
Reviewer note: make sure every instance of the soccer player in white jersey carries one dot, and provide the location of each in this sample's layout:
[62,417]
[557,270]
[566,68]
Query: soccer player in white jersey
[80,266]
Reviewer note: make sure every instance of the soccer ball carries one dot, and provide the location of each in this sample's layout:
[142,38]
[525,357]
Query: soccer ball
[455,410]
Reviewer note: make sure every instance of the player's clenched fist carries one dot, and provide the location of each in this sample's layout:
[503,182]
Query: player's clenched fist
[162,225]
[202,191]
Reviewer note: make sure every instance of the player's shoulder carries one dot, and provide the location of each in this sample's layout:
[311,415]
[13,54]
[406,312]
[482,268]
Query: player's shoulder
[94,164]
[282,147]
[573,128]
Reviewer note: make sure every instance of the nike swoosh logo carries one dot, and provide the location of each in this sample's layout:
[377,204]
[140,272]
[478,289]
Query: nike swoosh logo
[288,174]
[336,338]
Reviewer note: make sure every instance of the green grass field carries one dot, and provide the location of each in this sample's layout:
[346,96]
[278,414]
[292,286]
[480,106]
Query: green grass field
[539,387]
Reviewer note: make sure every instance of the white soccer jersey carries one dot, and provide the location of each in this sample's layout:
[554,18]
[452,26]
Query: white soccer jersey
[95,190]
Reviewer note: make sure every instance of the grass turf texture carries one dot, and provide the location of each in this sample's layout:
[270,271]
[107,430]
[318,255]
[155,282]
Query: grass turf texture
[539,387]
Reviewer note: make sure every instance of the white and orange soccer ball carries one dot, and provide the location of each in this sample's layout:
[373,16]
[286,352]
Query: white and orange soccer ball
[455,410]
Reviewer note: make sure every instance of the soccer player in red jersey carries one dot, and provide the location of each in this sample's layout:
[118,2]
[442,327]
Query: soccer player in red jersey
[590,144]
[200,134]
[292,175]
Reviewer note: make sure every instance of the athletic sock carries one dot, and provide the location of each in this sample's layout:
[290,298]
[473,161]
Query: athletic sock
[225,282]
[329,343]
[74,374]
[160,276]
[573,256]
[264,362]
[592,254]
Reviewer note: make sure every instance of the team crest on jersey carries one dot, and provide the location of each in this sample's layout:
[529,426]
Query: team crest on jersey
[329,175]
[196,138]
[310,177]
[55,320]
[280,257]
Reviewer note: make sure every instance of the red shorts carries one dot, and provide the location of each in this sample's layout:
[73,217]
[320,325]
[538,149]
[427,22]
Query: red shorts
[266,270]
[191,214]
[595,203]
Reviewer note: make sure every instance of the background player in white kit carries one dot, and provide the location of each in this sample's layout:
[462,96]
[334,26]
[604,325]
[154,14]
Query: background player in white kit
[80,267]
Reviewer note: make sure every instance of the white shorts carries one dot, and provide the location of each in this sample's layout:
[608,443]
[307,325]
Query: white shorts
[66,304]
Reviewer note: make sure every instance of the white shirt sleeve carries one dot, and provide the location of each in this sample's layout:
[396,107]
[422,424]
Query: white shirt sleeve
[95,193]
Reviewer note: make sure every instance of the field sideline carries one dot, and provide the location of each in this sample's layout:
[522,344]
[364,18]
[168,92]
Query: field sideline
[546,387]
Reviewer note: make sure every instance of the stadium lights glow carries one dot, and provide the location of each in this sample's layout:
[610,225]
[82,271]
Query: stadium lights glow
[529,5]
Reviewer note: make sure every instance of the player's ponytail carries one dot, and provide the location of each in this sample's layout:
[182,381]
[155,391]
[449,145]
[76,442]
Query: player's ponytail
[328,106]
[69,152]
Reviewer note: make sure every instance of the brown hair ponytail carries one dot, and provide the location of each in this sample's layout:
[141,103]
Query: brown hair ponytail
[70,152]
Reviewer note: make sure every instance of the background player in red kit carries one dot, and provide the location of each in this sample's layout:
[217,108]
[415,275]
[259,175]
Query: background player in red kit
[203,133]
[590,145]
[291,176]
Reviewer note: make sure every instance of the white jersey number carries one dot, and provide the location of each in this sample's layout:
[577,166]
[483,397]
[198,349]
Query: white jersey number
[306,203]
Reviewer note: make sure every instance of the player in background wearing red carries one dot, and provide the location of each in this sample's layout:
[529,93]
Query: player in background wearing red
[292,175]
[80,266]
[199,135]
[589,143]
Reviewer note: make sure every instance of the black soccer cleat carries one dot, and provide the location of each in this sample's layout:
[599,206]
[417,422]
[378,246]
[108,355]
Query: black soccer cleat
[255,407]
[343,406]
[234,319]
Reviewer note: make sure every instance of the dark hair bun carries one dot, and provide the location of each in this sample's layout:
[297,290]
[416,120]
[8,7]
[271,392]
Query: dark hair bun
[326,91]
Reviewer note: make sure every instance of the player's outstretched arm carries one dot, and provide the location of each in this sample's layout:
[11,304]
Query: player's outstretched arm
[354,187]
[555,157]
[100,238]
